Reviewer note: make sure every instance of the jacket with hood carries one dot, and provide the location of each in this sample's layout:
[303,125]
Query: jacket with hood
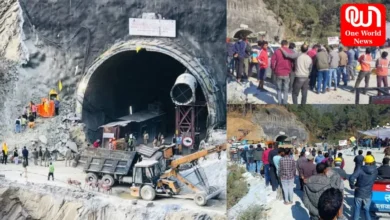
[363,179]
[322,60]
[258,154]
[314,188]
[358,162]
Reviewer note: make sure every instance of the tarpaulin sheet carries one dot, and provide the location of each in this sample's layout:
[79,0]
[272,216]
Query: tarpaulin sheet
[381,132]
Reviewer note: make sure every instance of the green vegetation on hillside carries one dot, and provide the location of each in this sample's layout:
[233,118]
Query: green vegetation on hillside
[337,122]
[312,19]
[236,185]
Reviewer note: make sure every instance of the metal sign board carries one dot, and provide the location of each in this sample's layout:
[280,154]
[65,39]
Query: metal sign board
[108,135]
[187,141]
[343,142]
[333,40]
[152,27]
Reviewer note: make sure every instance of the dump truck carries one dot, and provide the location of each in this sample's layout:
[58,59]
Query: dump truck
[150,171]
[116,166]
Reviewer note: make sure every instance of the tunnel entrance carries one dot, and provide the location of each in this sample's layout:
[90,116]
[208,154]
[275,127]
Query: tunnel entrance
[281,138]
[242,32]
[142,80]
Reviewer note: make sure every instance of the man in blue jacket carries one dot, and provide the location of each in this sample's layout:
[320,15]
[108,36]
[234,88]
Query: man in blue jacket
[240,54]
[362,181]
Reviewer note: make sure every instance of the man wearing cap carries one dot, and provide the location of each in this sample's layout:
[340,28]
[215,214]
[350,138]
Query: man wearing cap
[362,181]
[337,168]
[358,160]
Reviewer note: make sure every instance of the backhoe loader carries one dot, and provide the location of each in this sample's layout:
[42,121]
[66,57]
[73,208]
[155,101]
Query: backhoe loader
[149,180]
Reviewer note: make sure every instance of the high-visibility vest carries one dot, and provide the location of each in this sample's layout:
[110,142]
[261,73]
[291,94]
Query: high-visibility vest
[382,67]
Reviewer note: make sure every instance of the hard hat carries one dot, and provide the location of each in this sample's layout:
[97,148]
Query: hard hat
[369,159]
[338,159]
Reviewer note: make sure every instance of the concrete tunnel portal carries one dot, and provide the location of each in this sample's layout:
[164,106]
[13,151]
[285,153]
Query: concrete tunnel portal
[138,75]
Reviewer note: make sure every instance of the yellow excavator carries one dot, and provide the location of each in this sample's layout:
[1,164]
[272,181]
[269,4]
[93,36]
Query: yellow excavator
[149,179]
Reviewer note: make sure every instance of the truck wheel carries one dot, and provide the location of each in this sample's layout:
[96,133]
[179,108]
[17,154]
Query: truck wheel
[200,199]
[91,177]
[148,193]
[108,179]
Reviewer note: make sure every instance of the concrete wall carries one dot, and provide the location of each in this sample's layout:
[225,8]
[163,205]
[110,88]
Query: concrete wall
[254,14]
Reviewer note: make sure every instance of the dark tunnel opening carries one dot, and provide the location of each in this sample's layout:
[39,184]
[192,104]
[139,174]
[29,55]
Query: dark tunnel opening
[137,80]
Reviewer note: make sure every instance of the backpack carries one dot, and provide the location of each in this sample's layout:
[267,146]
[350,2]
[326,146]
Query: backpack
[248,49]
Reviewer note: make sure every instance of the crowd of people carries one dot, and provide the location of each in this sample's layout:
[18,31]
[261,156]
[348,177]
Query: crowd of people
[29,115]
[320,174]
[319,68]
[40,157]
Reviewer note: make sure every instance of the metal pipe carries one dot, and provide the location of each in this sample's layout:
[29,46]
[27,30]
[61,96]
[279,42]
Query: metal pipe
[183,91]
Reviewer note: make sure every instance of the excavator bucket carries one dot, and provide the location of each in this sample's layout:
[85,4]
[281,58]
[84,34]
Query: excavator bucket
[198,178]
[46,108]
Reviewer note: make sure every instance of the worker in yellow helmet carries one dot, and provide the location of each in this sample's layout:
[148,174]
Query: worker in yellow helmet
[362,181]
[5,153]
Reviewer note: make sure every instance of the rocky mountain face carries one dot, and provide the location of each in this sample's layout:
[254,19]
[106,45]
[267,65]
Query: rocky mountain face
[256,16]
[276,121]
[44,42]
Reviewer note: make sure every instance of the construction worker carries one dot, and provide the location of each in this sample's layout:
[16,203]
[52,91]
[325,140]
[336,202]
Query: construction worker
[18,125]
[51,172]
[162,140]
[179,146]
[110,147]
[68,156]
[5,153]
[96,144]
[33,109]
[40,155]
[57,106]
[25,155]
[35,156]
[24,123]
[131,142]
[16,156]
[146,138]
[155,141]
[46,157]
[114,143]
[159,139]
[31,121]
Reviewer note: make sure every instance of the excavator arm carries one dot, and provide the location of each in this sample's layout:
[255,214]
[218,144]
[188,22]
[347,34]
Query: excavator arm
[197,155]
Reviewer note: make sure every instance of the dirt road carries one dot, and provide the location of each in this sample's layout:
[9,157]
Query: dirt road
[38,175]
